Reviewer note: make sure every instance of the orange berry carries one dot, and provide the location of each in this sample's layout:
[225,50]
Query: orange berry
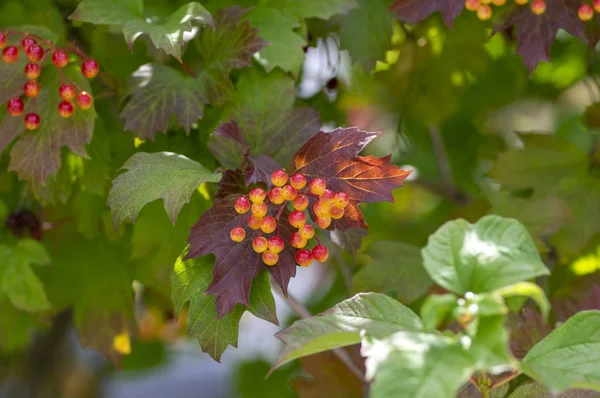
[499,3]
[32,71]
[300,202]
[297,219]
[521,2]
[242,205]
[323,222]
[538,7]
[596,5]
[31,88]
[472,5]
[306,232]
[270,258]
[341,200]
[297,241]
[585,12]
[66,92]
[279,178]
[328,197]
[320,253]
[237,234]
[268,225]
[304,258]
[484,12]
[337,213]
[84,100]
[259,210]
[254,222]
[322,209]
[288,192]
[260,244]
[276,196]
[298,181]
[257,195]
[276,244]
[317,186]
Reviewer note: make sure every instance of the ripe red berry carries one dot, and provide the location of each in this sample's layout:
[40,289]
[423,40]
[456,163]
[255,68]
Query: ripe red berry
[65,109]
[328,196]
[298,181]
[484,12]
[472,5]
[317,186]
[15,106]
[27,42]
[276,196]
[35,53]
[297,241]
[341,200]
[31,88]
[322,209]
[288,192]
[260,244]
[89,68]
[300,202]
[337,213]
[276,244]
[297,219]
[84,100]
[10,54]
[595,5]
[259,209]
[32,71]
[32,121]
[585,13]
[270,258]
[323,222]
[67,92]
[257,195]
[237,234]
[242,204]
[304,258]
[254,222]
[538,7]
[3,40]
[320,253]
[279,178]
[306,232]
[268,225]
[60,59]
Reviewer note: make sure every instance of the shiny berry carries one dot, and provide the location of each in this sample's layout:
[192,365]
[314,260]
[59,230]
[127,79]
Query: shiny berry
[60,59]
[254,222]
[89,68]
[84,100]
[27,42]
[15,106]
[484,12]
[323,222]
[65,109]
[3,40]
[472,5]
[304,258]
[31,88]
[320,253]
[268,225]
[279,178]
[341,200]
[298,181]
[67,92]
[297,241]
[242,204]
[257,195]
[327,197]
[260,244]
[276,244]
[300,202]
[585,13]
[259,209]
[317,186]
[32,121]
[270,258]
[322,209]
[237,234]
[306,232]
[35,53]
[32,71]
[10,54]
[337,213]
[538,7]
[276,196]
[288,192]
[595,5]
[297,219]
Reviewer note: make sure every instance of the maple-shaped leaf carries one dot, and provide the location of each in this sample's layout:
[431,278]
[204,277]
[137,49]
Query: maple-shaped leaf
[413,11]
[111,12]
[158,92]
[334,157]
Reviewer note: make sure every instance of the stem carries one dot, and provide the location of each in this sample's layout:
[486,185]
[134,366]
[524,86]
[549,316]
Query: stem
[484,383]
[64,78]
[39,38]
[188,70]
[503,380]
[280,212]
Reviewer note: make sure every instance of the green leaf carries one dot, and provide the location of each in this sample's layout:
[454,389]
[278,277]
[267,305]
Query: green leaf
[530,290]
[537,390]
[313,8]
[16,327]
[17,279]
[189,282]
[569,356]
[152,176]
[489,345]
[393,268]
[340,326]
[481,257]
[415,365]
[436,309]
[108,12]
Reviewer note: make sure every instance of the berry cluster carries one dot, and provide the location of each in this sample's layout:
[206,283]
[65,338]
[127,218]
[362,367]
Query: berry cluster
[22,221]
[586,12]
[483,8]
[294,190]
[33,47]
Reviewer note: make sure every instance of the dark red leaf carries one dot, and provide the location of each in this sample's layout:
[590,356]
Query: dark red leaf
[231,183]
[526,330]
[579,294]
[259,169]
[412,11]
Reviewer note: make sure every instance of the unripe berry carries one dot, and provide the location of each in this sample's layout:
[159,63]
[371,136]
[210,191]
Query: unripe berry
[298,181]
[337,213]
[300,202]
[320,253]
[67,92]
[84,100]
[276,244]
[32,121]
[60,59]
[322,209]
[268,225]
[304,258]
[237,234]
[323,222]
[10,54]
[596,5]
[254,222]
[297,219]
[484,12]
[306,232]
[499,3]
[270,258]
[538,7]
[585,13]
[257,195]
[279,178]
[15,106]
[32,71]
[89,68]
[65,109]
[242,205]
[297,241]
[288,192]
[317,186]
[276,196]
[31,89]
[260,244]
[521,2]
[259,209]
[328,197]
[3,40]
[341,200]
[472,5]
[35,53]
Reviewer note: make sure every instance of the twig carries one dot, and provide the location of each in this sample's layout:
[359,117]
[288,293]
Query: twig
[503,380]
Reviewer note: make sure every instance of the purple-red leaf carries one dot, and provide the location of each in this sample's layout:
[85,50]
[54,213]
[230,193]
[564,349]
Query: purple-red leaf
[412,11]
[526,330]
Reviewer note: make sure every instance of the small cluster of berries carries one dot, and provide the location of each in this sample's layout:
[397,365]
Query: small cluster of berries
[330,205]
[586,11]
[483,8]
[37,57]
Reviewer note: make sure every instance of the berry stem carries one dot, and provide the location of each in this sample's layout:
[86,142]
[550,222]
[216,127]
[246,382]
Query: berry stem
[75,50]
[280,212]
[63,78]
[188,70]
[39,38]
[318,240]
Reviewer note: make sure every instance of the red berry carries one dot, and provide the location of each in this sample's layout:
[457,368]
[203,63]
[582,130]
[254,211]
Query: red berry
[60,59]
[31,88]
[10,54]
[341,200]
[276,244]
[242,204]
[257,195]
[297,241]
[306,232]
[254,222]
[279,178]
[328,196]
[297,219]
[260,244]
[276,196]
[317,186]
[337,213]
[270,258]
[84,100]
[32,71]
[595,4]
[237,234]
[259,210]
[538,7]
[35,53]
[323,222]
[320,253]
[304,258]
[288,192]
[65,109]
[300,202]
[67,92]
[472,5]
[32,121]
[2,40]
[322,209]
[15,106]
[585,13]
[268,225]
[27,42]
[89,68]
[298,181]
[484,12]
